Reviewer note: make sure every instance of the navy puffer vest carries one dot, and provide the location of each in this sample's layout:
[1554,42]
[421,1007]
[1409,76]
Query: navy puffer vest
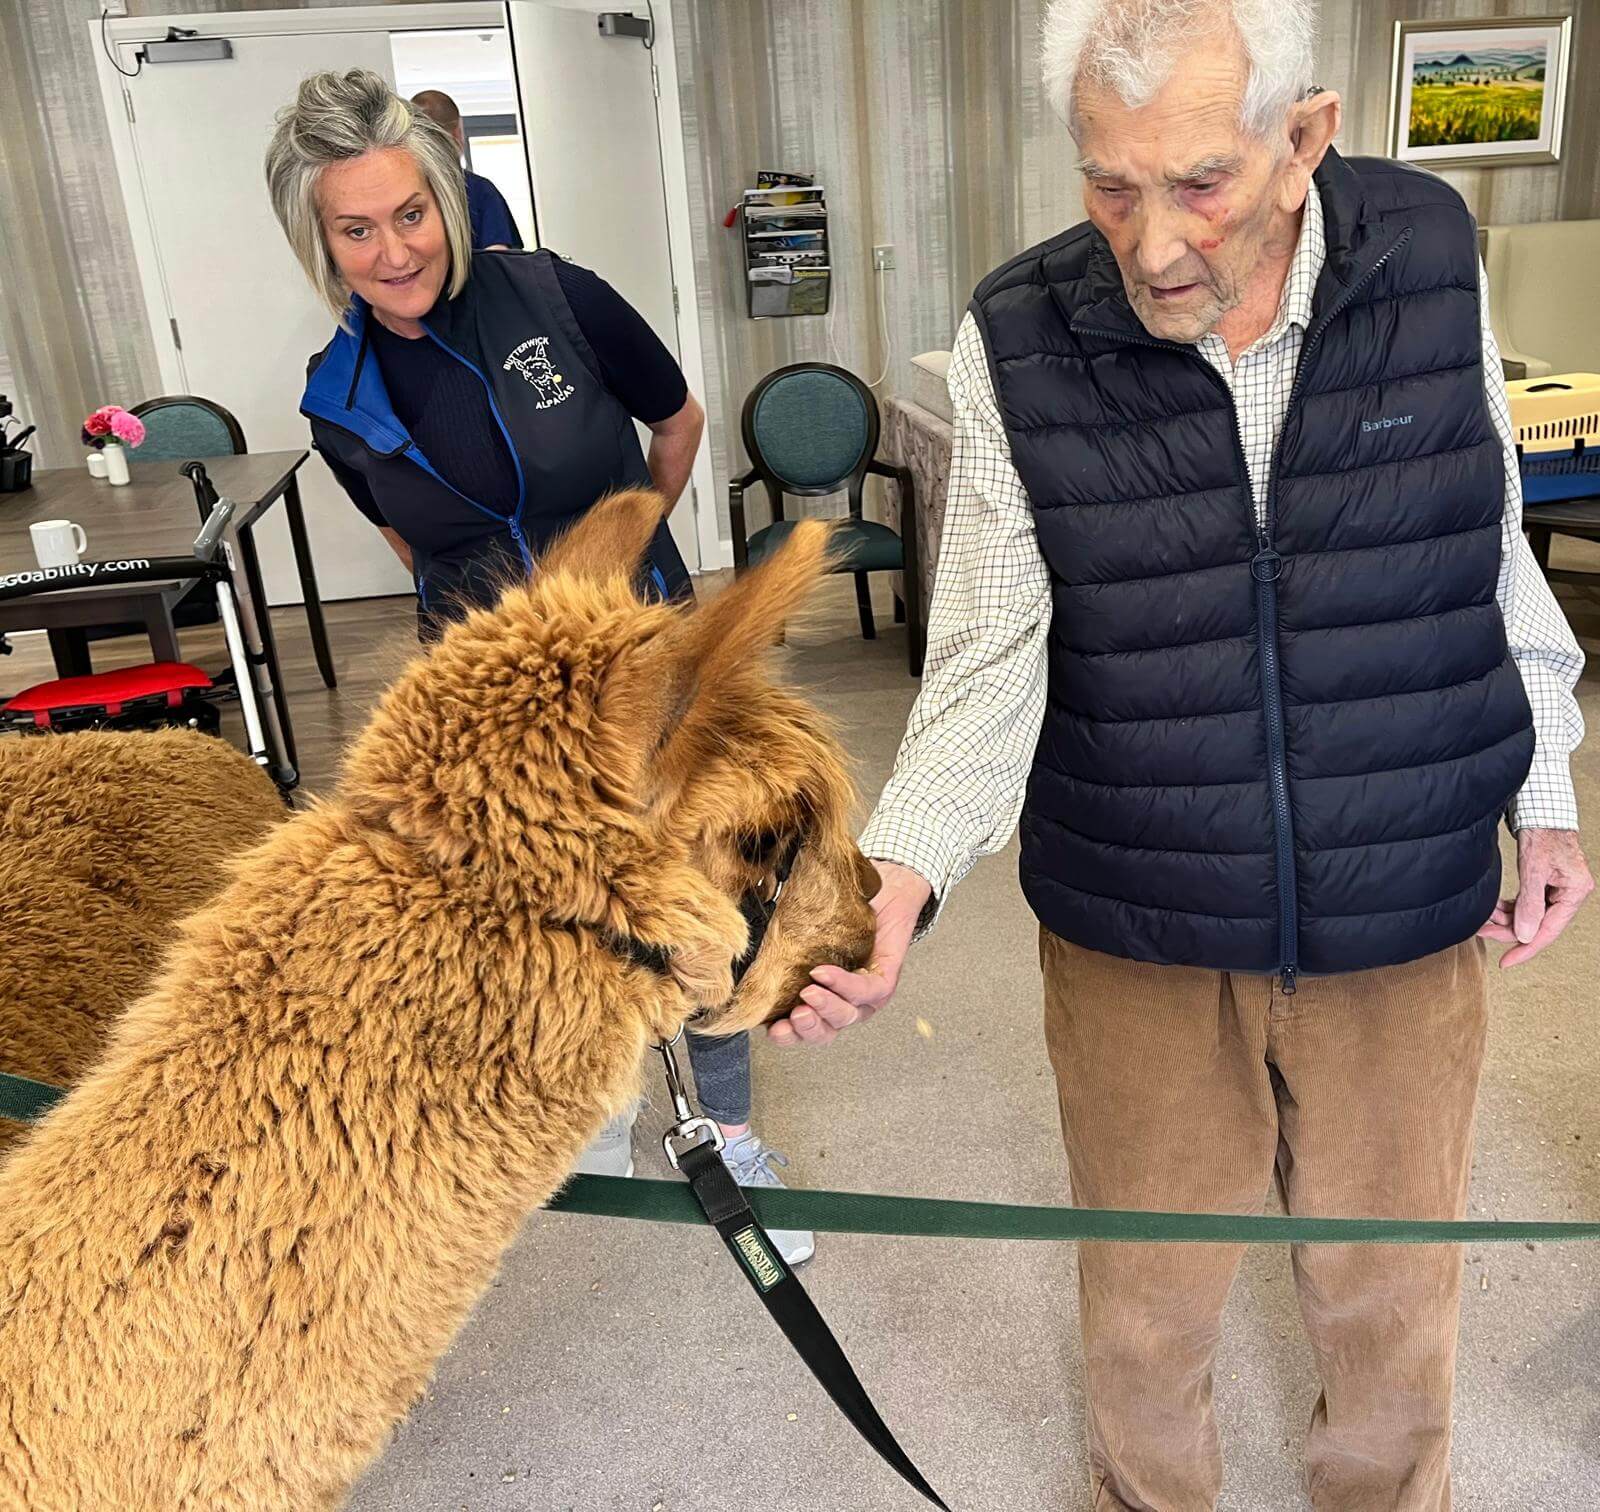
[1288,749]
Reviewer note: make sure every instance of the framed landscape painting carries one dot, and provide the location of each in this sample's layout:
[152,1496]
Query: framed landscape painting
[1476,93]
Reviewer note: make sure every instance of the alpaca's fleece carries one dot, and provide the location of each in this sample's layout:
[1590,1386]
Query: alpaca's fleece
[106,840]
[230,1258]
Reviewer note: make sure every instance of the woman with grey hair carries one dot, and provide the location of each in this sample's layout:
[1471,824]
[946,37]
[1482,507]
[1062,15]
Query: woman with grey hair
[473,405]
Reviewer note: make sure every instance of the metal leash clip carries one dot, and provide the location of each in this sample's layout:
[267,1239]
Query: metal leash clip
[688,1128]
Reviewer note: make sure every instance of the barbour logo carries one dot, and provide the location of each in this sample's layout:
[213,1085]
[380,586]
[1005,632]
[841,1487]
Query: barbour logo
[1387,423]
[532,360]
[758,1259]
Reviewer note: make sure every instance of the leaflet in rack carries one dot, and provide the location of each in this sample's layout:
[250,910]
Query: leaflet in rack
[788,268]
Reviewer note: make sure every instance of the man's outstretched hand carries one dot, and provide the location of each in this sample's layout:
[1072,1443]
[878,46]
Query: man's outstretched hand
[1552,880]
[837,998]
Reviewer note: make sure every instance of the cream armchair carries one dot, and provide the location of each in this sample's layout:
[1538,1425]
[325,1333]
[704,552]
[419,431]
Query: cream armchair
[1544,295]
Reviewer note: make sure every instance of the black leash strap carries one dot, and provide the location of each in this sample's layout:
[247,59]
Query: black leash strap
[782,1295]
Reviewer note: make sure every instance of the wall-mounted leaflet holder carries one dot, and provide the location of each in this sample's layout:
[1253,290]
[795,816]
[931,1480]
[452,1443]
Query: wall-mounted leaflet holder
[788,267]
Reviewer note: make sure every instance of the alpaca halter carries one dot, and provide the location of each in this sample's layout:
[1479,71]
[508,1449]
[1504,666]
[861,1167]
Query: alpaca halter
[757,911]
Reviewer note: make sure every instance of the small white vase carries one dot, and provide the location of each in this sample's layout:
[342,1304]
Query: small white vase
[116,463]
[96,461]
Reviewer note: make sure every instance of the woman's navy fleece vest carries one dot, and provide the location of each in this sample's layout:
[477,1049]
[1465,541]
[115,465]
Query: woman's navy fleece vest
[570,436]
[1285,750]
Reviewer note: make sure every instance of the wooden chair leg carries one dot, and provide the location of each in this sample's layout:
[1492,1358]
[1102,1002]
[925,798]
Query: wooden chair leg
[899,610]
[163,635]
[1540,541]
[869,631]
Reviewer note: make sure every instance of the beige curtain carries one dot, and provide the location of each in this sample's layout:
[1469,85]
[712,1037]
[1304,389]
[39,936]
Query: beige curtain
[72,322]
[925,124]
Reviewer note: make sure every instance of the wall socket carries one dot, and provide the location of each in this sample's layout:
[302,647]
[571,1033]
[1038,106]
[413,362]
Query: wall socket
[883,259]
[114,8]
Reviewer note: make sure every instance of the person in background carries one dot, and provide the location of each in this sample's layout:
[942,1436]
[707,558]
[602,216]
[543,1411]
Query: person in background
[473,405]
[493,229]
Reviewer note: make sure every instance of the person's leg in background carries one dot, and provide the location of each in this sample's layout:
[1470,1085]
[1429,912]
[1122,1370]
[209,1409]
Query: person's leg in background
[722,1088]
[1378,1085]
[722,1079]
[1166,1104]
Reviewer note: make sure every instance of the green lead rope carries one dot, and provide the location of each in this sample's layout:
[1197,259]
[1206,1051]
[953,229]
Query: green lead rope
[940,1218]
[26,1101]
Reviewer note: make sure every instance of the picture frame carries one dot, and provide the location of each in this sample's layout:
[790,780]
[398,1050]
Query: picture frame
[1479,94]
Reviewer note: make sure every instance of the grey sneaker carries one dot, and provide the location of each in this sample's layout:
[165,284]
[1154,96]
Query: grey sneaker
[751,1163]
[611,1153]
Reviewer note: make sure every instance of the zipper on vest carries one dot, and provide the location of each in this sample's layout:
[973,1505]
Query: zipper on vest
[1266,567]
[514,519]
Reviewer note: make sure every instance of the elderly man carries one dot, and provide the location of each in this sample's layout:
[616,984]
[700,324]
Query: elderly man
[1233,583]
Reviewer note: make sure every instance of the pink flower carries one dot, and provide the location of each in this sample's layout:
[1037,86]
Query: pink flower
[127,428]
[113,423]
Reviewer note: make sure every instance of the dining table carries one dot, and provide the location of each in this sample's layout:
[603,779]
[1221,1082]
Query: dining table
[158,514]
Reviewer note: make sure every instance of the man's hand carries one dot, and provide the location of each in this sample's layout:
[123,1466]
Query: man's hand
[838,998]
[1552,880]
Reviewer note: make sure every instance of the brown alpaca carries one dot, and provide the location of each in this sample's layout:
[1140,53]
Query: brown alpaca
[229,1260]
[106,840]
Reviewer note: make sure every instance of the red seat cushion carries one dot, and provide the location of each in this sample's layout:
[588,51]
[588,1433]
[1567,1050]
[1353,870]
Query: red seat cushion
[108,690]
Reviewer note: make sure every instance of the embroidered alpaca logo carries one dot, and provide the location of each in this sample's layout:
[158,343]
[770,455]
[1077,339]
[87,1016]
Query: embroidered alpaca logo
[532,360]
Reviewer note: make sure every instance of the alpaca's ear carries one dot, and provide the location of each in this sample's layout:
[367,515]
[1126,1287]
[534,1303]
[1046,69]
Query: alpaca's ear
[671,683]
[611,539]
[647,691]
[647,695]
[748,616]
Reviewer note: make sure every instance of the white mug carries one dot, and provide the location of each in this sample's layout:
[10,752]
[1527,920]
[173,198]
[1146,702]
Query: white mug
[58,543]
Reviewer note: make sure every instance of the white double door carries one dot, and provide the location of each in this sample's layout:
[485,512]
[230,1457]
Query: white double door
[231,314]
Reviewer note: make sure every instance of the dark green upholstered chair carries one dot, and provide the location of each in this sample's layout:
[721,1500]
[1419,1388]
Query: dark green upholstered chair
[185,428]
[812,429]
